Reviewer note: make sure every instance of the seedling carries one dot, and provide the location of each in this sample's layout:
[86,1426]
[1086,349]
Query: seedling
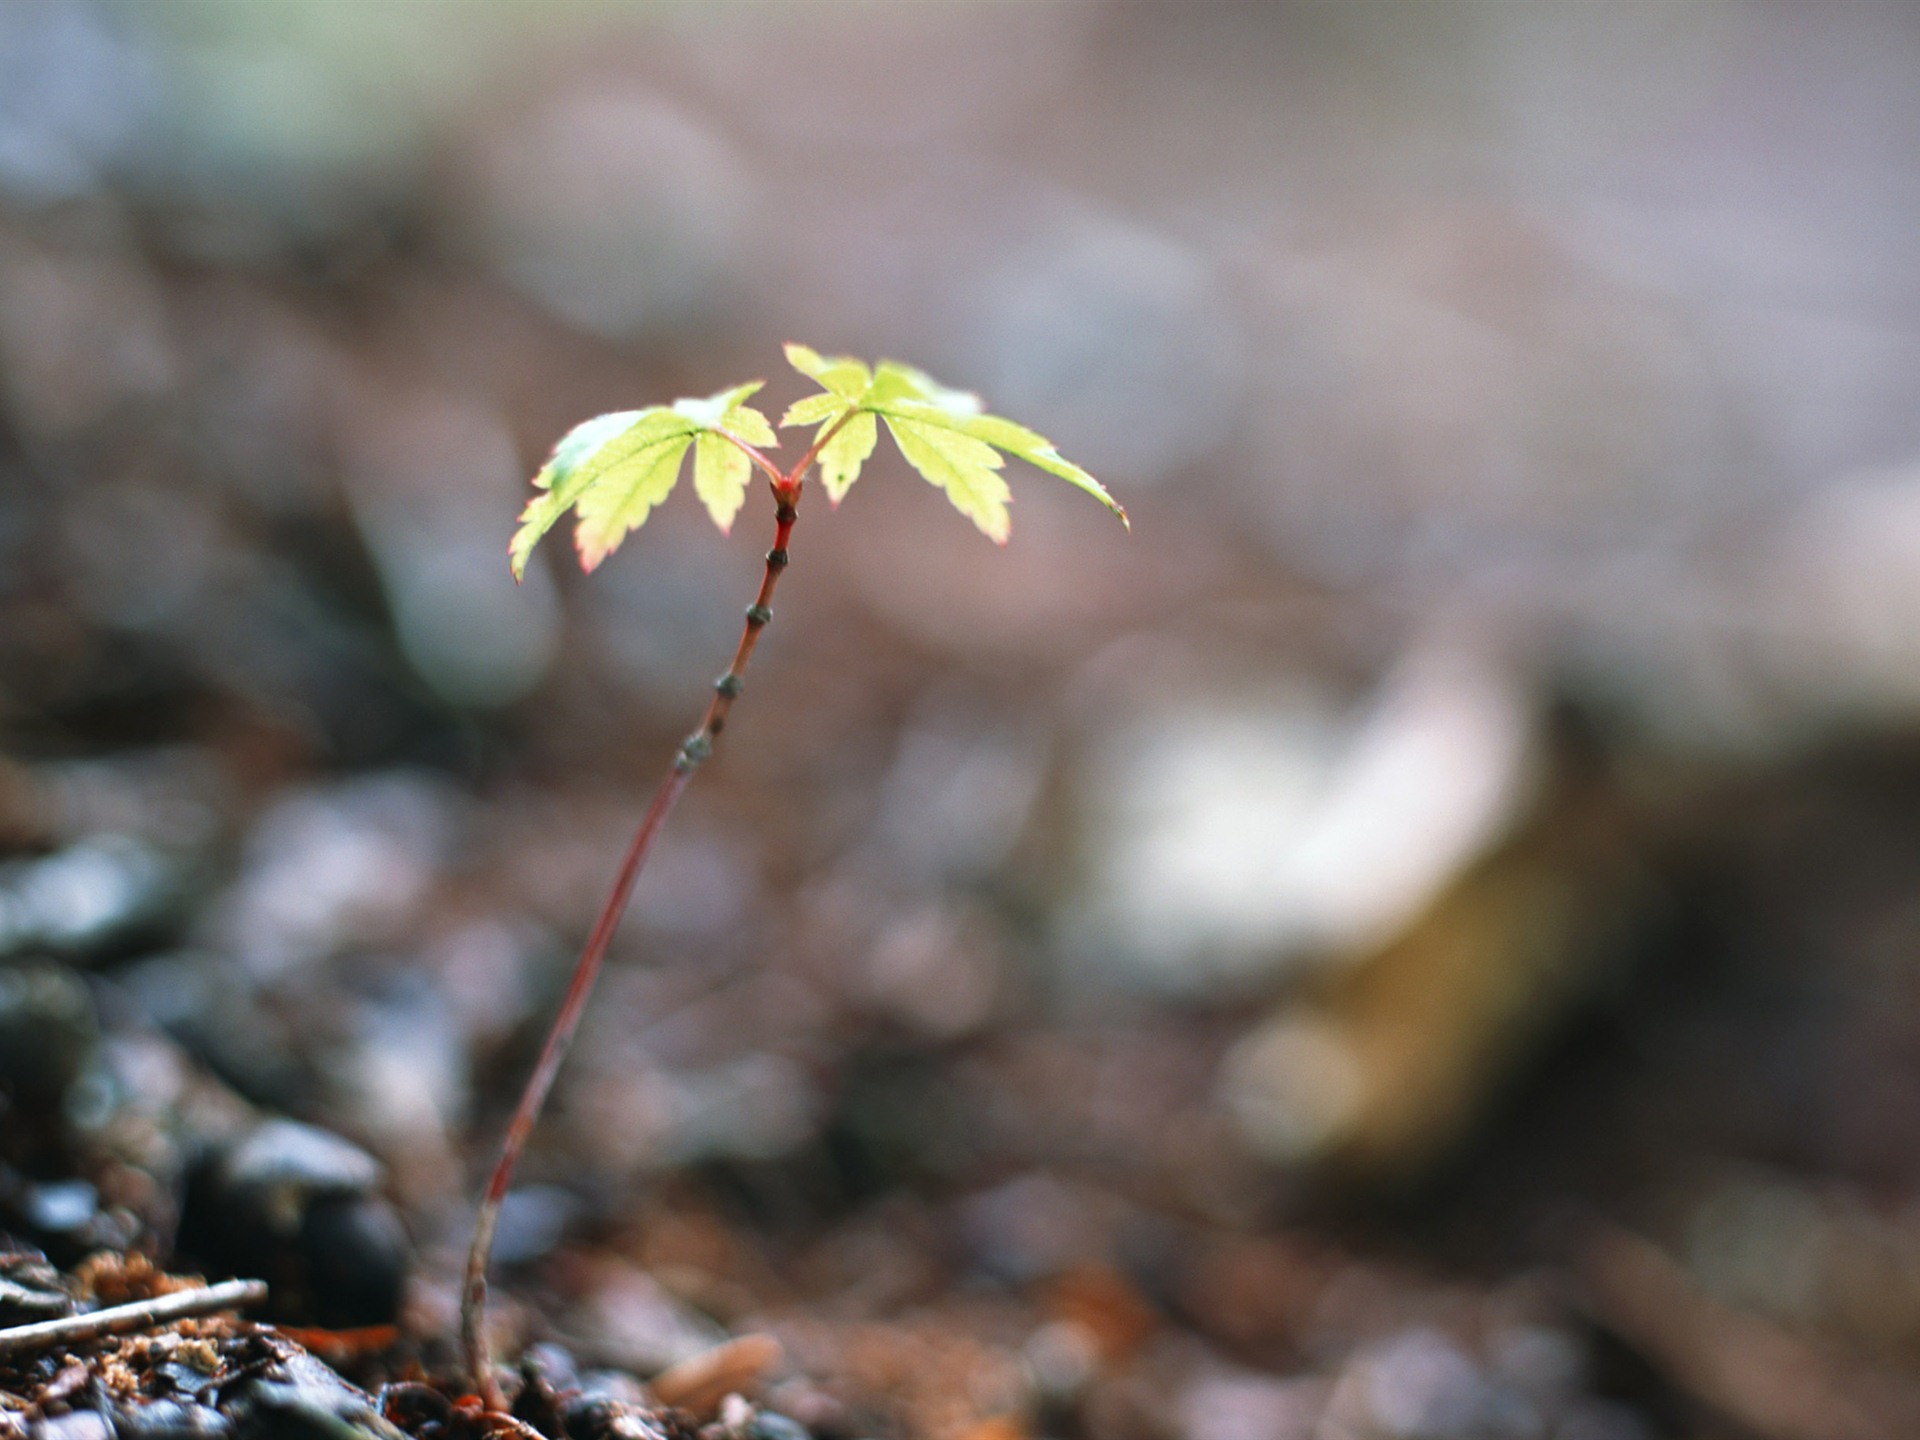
[610,472]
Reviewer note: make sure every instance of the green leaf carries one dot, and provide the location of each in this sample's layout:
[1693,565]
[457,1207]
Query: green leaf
[944,433]
[843,455]
[843,375]
[967,469]
[539,517]
[720,475]
[721,469]
[621,502]
[813,409]
[613,469]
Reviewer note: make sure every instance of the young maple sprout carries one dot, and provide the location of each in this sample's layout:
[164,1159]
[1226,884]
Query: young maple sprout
[611,471]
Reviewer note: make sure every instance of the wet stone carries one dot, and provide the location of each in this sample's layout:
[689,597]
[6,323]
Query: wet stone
[92,899]
[298,1207]
[299,1397]
[601,1417]
[30,1290]
[213,1010]
[60,1207]
[414,1407]
[549,1382]
[48,1029]
[170,1420]
[74,1425]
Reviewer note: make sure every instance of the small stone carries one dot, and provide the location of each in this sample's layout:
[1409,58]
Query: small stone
[75,1425]
[297,1206]
[170,1420]
[60,1207]
[48,1029]
[771,1425]
[30,1290]
[298,1397]
[92,898]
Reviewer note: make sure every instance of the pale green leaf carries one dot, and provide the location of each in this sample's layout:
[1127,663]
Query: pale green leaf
[968,470]
[596,446]
[587,454]
[721,471]
[728,411]
[842,374]
[894,382]
[613,469]
[895,391]
[843,455]
[620,502]
[1037,451]
[708,412]
[539,517]
[812,410]
[749,425]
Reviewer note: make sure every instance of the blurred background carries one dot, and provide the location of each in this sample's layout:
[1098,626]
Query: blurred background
[1421,939]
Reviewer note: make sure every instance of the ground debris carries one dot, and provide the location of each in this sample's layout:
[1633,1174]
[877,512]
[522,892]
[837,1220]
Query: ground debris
[224,1376]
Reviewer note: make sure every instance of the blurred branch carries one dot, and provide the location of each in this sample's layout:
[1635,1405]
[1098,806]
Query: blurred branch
[136,1315]
[1745,1367]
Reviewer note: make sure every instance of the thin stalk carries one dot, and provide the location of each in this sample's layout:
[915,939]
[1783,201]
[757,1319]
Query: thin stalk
[693,751]
[136,1315]
[761,462]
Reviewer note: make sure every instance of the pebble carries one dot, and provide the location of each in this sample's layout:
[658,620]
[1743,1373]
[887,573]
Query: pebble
[299,1397]
[59,1207]
[170,1420]
[207,1004]
[299,1207]
[91,898]
[30,1290]
[771,1425]
[48,1029]
[74,1425]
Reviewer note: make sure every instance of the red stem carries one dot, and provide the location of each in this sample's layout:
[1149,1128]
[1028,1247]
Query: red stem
[694,750]
[752,452]
[813,450]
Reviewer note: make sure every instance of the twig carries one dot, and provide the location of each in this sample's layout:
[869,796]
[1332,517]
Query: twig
[136,1315]
[1739,1364]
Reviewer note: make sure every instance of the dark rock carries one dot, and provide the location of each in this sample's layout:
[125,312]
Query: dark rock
[75,1425]
[299,1398]
[601,1417]
[93,899]
[60,1206]
[170,1420]
[771,1425]
[549,1384]
[48,1029]
[30,1289]
[208,1004]
[299,1207]
[416,1408]
[359,1258]
[276,1166]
